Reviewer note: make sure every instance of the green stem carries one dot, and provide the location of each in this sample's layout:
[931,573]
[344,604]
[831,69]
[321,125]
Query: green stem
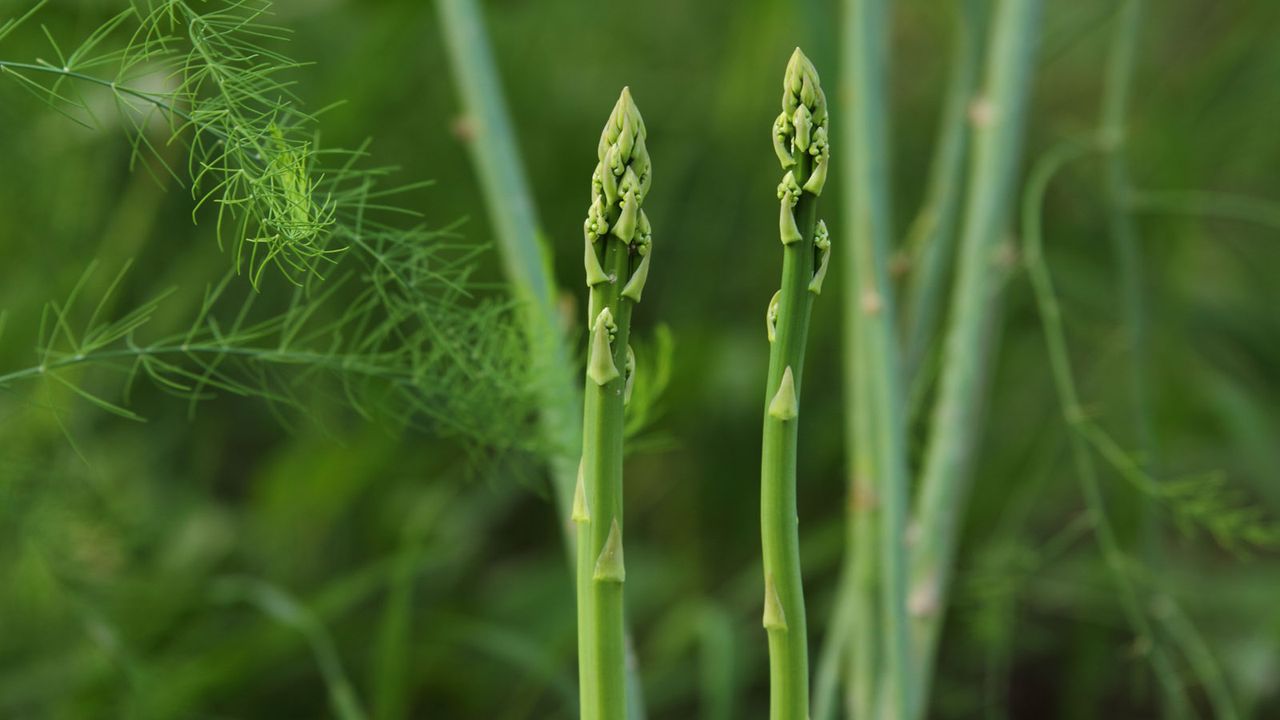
[864,526]
[800,140]
[496,156]
[1112,132]
[601,645]
[835,650]
[780,532]
[870,312]
[1226,206]
[1199,657]
[999,118]
[932,239]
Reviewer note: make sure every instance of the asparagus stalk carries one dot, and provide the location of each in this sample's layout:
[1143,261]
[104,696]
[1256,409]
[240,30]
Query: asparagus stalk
[526,263]
[999,117]
[800,140]
[616,257]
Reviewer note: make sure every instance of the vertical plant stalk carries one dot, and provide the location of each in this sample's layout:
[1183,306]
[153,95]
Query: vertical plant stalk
[1112,132]
[834,654]
[496,157]
[616,257]
[878,422]
[932,239]
[999,119]
[866,649]
[800,140]
[525,260]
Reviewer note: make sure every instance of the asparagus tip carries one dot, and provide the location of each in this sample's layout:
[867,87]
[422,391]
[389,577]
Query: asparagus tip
[797,61]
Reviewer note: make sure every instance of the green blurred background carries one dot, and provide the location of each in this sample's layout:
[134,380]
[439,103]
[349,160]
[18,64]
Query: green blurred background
[231,565]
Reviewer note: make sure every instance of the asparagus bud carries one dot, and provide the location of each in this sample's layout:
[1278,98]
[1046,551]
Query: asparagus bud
[609,566]
[784,405]
[600,366]
[822,243]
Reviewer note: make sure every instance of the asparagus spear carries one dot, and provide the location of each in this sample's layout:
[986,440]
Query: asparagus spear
[520,240]
[800,140]
[616,257]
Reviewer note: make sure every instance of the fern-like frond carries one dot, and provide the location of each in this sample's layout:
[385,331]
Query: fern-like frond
[384,319]
[1204,501]
[208,75]
[391,350]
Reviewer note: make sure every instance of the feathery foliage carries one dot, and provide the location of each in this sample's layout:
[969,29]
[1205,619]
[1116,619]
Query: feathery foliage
[207,75]
[393,329]
[377,351]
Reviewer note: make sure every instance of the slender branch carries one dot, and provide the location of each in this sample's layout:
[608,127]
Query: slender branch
[800,140]
[999,118]
[1073,414]
[1112,135]
[153,99]
[1199,656]
[1229,206]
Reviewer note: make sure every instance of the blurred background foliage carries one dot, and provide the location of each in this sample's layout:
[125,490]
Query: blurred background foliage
[228,564]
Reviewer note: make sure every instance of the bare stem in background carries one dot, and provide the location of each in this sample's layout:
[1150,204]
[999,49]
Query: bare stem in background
[998,116]
[837,643]
[1223,206]
[1112,135]
[525,263]
[932,239]
[863,528]
[873,369]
